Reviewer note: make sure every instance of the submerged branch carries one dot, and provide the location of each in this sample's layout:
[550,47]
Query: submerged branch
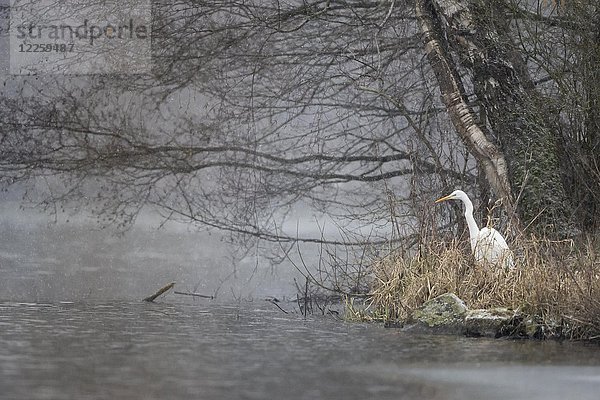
[161,291]
[204,296]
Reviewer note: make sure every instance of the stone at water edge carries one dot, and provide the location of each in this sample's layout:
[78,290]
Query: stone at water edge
[447,314]
[444,314]
[495,322]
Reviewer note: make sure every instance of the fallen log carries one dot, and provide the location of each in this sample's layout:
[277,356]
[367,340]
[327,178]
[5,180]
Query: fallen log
[160,291]
[195,295]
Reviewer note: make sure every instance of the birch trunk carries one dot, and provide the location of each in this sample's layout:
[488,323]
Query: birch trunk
[526,158]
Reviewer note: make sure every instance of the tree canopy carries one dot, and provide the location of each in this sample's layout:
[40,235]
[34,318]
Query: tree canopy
[363,111]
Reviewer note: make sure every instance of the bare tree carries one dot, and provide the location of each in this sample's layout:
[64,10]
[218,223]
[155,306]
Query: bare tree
[253,109]
[485,40]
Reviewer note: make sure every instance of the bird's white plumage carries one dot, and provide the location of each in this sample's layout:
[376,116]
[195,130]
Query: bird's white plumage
[487,244]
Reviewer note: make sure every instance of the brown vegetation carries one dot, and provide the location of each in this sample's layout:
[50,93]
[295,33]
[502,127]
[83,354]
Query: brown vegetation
[555,283]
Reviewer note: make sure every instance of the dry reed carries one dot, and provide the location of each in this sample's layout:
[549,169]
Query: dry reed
[553,283]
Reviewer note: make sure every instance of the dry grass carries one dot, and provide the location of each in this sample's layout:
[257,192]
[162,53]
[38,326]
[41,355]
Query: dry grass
[553,282]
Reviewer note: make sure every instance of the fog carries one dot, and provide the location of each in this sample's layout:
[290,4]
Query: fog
[69,258]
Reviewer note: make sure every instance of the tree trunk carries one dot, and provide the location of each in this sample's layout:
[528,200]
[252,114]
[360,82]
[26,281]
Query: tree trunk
[463,117]
[581,146]
[478,32]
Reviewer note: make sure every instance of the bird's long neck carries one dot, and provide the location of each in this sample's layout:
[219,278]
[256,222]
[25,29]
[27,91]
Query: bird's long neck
[473,228]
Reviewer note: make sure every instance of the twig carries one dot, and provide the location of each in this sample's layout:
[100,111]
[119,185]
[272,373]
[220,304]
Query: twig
[272,301]
[195,295]
[161,291]
[306,298]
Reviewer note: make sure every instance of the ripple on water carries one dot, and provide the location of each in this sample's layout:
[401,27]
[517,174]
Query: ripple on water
[181,351]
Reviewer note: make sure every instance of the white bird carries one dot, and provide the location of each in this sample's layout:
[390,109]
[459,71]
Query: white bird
[487,244]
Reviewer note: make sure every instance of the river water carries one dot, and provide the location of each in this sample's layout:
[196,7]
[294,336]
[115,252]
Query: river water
[72,326]
[251,350]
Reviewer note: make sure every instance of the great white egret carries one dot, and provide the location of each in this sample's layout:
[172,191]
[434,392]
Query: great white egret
[487,244]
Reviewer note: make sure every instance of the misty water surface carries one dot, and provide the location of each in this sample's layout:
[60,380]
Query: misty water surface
[191,350]
[72,326]
[76,260]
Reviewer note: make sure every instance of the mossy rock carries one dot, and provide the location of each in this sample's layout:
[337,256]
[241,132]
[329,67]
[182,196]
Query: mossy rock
[494,322]
[536,328]
[447,314]
[444,315]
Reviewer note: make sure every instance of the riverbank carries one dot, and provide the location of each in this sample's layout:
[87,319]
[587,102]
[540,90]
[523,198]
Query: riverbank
[555,284]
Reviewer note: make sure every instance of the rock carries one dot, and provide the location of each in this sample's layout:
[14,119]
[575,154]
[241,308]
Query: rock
[495,322]
[444,314]
[448,315]
[535,328]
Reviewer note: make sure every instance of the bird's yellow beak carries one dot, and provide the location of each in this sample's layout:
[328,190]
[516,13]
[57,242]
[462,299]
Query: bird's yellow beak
[444,199]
